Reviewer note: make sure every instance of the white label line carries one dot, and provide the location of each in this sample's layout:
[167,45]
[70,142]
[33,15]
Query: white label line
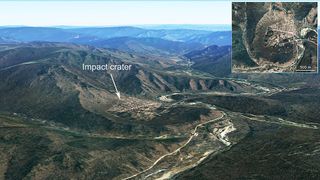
[115,86]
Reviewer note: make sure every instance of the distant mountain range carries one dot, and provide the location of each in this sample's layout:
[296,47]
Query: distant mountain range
[93,34]
[206,27]
[148,45]
[6,40]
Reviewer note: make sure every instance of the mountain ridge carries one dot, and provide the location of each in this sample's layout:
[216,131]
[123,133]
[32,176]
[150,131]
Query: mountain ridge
[54,34]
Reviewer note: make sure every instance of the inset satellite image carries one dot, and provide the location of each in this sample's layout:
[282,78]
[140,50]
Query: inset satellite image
[274,37]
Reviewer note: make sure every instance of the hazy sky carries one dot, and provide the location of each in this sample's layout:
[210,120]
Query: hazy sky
[73,13]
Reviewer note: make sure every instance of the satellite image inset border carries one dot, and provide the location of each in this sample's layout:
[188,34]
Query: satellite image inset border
[274,37]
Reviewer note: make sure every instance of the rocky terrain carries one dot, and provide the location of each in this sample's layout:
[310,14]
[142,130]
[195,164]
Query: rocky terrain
[179,115]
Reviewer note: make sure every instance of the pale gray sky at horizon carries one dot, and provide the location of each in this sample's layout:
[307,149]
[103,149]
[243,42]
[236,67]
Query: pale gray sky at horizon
[112,13]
